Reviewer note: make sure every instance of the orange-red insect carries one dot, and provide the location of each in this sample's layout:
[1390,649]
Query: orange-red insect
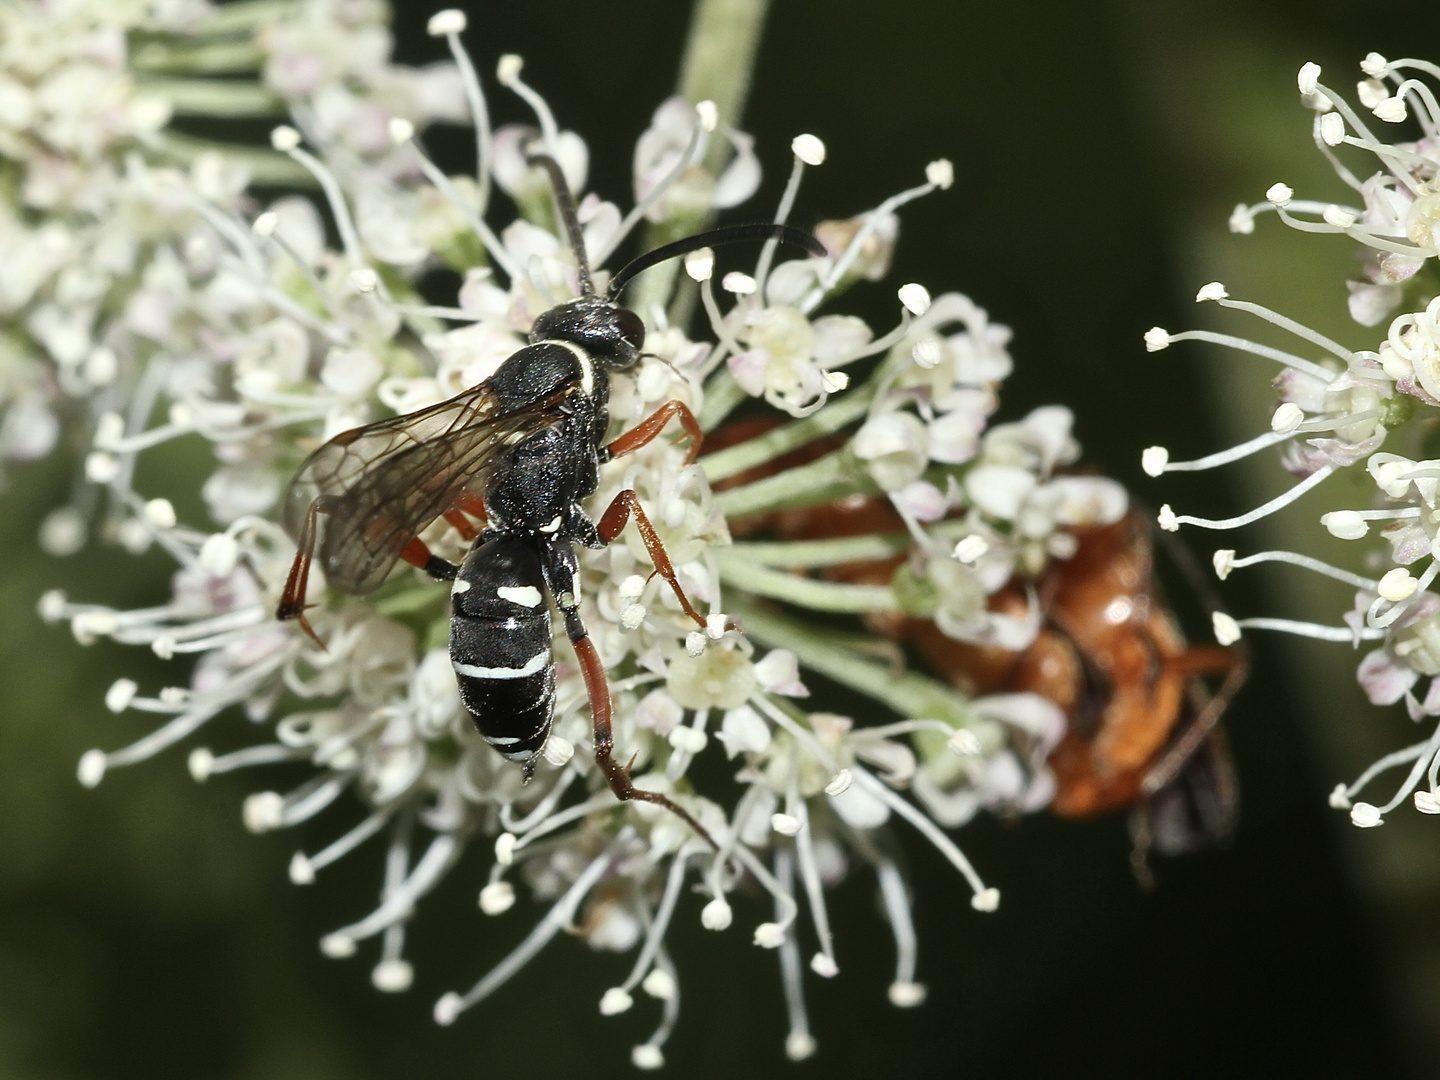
[1142,729]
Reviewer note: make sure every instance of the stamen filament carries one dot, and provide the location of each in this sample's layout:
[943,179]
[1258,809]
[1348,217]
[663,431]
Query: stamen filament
[1280,501]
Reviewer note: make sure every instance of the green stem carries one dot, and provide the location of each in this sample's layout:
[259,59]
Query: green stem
[243,16]
[213,97]
[206,58]
[267,168]
[813,593]
[753,452]
[826,479]
[835,655]
[720,50]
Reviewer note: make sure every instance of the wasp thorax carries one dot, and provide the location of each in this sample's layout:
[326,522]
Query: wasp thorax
[610,333]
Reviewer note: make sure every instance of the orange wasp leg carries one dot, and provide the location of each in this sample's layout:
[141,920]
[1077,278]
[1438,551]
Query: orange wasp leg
[650,427]
[614,519]
[617,775]
[292,600]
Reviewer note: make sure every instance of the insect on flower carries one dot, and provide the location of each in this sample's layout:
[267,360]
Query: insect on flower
[1142,727]
[520,450]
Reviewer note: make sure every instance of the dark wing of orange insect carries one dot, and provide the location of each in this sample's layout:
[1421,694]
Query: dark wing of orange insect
[385,482]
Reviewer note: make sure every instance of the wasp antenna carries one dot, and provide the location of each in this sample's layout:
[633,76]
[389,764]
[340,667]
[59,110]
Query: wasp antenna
[727,234]
[565,204]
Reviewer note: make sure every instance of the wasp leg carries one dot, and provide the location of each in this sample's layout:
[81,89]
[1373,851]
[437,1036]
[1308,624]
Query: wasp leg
[614,519]
[1194,662]
[292,600]
[648,428]
[417,554]
[616,775]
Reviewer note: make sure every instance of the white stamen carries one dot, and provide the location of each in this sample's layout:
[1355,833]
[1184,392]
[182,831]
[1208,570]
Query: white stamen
[505,848]
[716,915]
[971,549]
[392,975]
[940,173]
[400,130]
[700,264]
[1309,78]
[1212,291]
[647,1056]
[364,280]
[1287,418]
[1375,65]
[715,625]
[1397,585]
[1332,132]
[688,741]
[1426,802]
[263,811]
[1280,194]
[558,751]
[986,899]
[448,1009]
[694,643]
[92,768]
[120,694]
[964,743]
[1282,500]
[1339,217]
[708,115]
[808,149]
[284,138]
[915,297]
[508,69]
[784,824]
[615,1001]
[264,225]
[302,871]
[631,616]
[824,966]
[738,283]
[769,935]
[1227,630]
[1166,519]
[660,984]
[1154,459]
[447,21]
[497,898]
[1340,798]
[201,763]
[1392,110]
[840,783]
[1364,815]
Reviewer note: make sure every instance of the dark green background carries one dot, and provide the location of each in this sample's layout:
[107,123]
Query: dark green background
[144,934]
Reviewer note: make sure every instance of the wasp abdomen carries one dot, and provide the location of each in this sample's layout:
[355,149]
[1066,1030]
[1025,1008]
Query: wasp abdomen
[500,645]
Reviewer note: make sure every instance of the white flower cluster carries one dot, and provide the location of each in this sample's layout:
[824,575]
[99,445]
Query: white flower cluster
[1338,406]
[258,337]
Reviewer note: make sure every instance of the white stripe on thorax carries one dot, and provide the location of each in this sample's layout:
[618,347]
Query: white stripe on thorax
[538,662]
[587,366]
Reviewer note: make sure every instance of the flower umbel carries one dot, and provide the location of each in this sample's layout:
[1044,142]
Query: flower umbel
[248,330]
[1337,408]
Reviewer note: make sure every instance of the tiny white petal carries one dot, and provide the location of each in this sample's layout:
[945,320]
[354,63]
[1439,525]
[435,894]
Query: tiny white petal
[906,995]
[1287,417]
[447,21]
[118,697]
[1227,630]
[915,297]
[284,138]
[200,762]
[1213,291]
[824,966]
[708,115]
[716,915]
[1364,815]
[940,173]
[497,898]
[840,782]
[808,149]
[1224,561]
[986,899]
[1154,459]
[615,1001]
[785,825]
[92,768]
[769,935]
[1280,194]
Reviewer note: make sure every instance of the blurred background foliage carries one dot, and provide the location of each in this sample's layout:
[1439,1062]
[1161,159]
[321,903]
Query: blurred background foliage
[1098,149]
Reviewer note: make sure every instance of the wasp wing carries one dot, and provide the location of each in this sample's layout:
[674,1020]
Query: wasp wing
[381,484]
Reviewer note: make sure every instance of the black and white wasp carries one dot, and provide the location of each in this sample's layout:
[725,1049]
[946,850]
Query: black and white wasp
[521,450]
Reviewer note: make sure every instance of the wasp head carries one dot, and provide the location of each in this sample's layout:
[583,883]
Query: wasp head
[612,334]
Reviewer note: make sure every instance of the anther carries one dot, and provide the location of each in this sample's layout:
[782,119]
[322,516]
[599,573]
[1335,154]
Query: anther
[769,935]
[940,173]
[986,899]
[497,898]
[448,21]
[264,225]
[1156,338]
[302,870]
[840,783]
[508,69]
[1309,78]
[1426,802]
[284,138]
[800,1045]
[700,264]
[647,1056]
[1375,65]
[971,549]
[694,643]
[505,848]
[784,824]
[447,1009]
[1166,519]
[738,283]
[558,751]
[1340,218]
[1397,585]
[1345,524]
[964,743]
[615,1001]
[263,811]
[337,946]
[1212,291]
[1364,815]
[915,297]
[1280,194]
[401,131]
[1340,798]
[1287,417]
[200,763]
[120,694]
[92,768]
[1154,459]
[1224,561]
[716,915]
[824,965]
[906,995]
[1392,110]
[708,115]
[160,513]
[1332,129]
[393,976]
[808,149]
[1227,630]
